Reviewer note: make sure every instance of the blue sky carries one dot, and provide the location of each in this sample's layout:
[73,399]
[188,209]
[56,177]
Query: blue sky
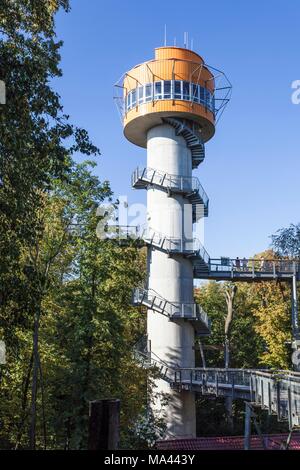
[252,166]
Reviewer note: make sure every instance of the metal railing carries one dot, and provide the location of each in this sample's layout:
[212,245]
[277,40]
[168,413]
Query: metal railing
[214,380]
[169,90]
[192,247]
[123,232]
[201,252]
[244,265]
[184,184]
[278,392]
[174,310]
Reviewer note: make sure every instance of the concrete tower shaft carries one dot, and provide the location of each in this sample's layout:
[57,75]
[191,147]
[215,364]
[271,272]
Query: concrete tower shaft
[171,277]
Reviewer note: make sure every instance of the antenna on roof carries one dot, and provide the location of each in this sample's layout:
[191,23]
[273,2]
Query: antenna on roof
[192,44]
[175,41]
[184,39]
[165,40]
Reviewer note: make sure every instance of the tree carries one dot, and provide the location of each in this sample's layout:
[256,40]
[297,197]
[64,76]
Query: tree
[272,313]
[97,324]
[43,139]
[229,292]
[218,300]
[86,329]
[286,241]
[41,149]
[273,324]
[243,353]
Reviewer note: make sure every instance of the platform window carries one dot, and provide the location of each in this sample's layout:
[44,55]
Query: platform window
[129,100]
[148,92]
[195,93]
[202,95]
[208,99]
[133,98]
[170,89]
[140,94]
[157,91]
[186,90]
[167,89]
[213,104]
[177,90]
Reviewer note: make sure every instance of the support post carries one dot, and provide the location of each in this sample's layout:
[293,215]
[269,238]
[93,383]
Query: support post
[202,353]
[104,424]
[251,388]
[247,436]
[295,319]
[295,322]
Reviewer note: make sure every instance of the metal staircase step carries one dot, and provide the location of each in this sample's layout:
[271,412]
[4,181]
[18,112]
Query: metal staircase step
[193,140]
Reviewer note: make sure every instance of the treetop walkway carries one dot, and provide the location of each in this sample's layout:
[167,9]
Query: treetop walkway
[249,269]
[205,267]
[278,392]
[223,268]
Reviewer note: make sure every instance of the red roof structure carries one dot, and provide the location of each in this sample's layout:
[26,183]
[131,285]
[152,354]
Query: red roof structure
[272,442]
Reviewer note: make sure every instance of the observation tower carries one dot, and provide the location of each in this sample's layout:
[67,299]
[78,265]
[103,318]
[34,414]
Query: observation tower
[170,105]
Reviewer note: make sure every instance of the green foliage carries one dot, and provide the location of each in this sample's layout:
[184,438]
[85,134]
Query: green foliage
[64,293]
[243,352]
[43,139]
[87,329]
[146,431]
[286,241]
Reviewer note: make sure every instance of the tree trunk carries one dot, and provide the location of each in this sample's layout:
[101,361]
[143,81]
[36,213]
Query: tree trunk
[229,296]
[104,424]
[43,403]
[24,413]
[34,387]
[202,353]
[226,352]
[229,414]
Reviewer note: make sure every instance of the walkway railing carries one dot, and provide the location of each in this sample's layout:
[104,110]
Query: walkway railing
[252,266]
[174,310]
[174,183]
[192,247]
[189,186]
[123,231]
[277,392]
